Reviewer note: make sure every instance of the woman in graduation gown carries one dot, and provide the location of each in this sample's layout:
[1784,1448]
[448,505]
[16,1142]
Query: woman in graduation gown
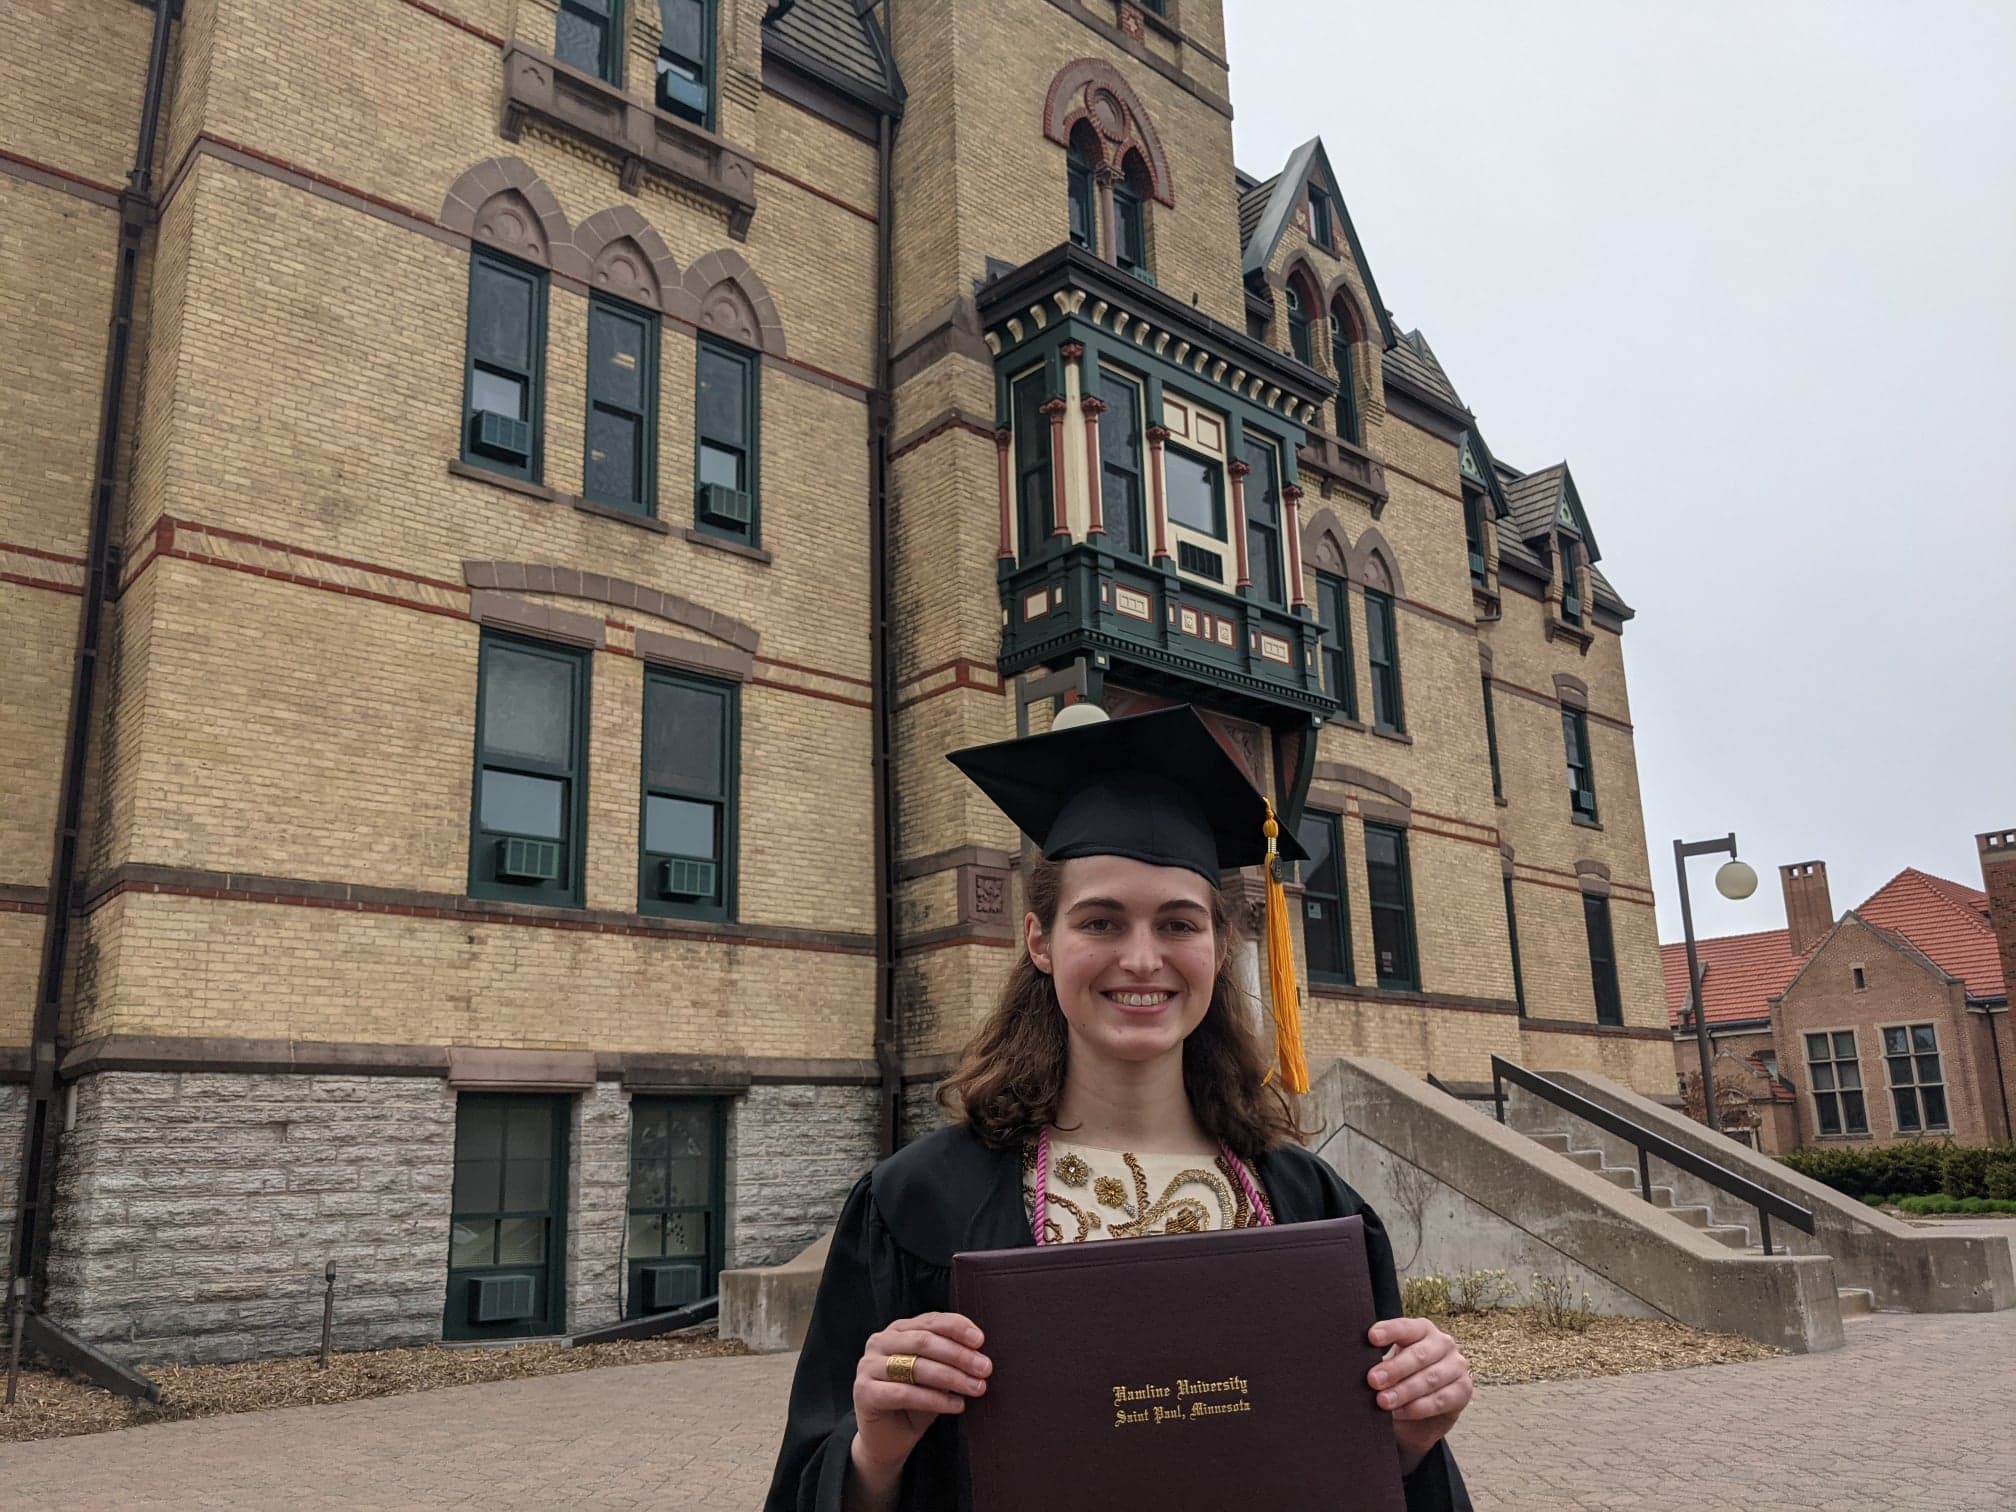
[1118,1089]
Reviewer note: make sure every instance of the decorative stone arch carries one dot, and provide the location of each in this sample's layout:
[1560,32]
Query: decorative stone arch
[1593,877]
[725,298]
[627,258]
[1375,566]
[1340,292]
[503,578]
[1299,274]
[1091,89]
[502,203]
[1325,546]
[1571,691]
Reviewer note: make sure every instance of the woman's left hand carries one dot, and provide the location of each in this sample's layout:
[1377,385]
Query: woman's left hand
[1424,1381]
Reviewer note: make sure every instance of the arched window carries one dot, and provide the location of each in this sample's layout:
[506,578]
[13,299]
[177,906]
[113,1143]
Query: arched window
[1081,159]
[1130,219]
[1343,336]
[1297,306]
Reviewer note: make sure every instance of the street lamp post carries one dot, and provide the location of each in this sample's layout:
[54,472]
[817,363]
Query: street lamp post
[1735,880]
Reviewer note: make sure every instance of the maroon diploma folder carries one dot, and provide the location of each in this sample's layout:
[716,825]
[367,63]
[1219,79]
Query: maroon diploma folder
[1179,1373]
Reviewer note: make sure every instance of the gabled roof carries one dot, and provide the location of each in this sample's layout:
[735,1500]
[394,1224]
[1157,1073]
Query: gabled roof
[1948,921]
[1475,462]
[1543,500]
[839,41]
[1415,361]
[1274,207]
[1740,974]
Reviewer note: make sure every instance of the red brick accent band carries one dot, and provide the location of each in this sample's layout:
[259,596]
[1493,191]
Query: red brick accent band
[49,176]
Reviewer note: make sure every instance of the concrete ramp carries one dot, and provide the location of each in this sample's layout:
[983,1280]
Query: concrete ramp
[769,1307]
[1459,1193]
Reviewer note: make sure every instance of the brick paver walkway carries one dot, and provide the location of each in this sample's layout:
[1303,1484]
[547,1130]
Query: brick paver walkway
[1915,1412]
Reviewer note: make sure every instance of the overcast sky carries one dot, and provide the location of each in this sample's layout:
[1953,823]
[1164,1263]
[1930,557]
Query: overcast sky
[1751,268]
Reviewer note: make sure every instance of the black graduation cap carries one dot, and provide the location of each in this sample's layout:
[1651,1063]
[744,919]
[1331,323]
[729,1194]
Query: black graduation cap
[1152,787]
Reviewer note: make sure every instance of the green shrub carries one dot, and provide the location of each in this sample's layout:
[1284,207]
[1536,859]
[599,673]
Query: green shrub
[1424,1297]
[1964,1172]
[1939,1202]
[2000,1181]
[1915,1169]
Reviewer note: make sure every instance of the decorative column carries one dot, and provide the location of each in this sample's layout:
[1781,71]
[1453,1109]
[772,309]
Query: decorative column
[1003,438]
[1093,408]
[1239,470]
[1291,525]
[1059,504]
[1157,434]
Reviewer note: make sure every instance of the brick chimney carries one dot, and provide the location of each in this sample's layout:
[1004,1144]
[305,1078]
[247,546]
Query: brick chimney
[1998,880]
[1809,910]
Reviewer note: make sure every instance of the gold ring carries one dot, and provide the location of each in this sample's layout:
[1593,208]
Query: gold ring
[901,1368]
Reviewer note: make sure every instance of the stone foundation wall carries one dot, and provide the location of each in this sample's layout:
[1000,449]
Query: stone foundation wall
[196,1213]
[793,1154]
[13,1109]
[920,1113]
[598,1203]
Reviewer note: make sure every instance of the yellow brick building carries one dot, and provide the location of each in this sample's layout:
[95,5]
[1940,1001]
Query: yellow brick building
[571,471]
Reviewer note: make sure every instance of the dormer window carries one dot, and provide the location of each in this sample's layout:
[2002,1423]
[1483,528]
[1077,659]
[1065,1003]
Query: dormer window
[1569,558]
[1322,220]
[1473,534]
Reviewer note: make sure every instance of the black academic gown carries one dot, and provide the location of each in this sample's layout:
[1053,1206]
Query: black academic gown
[892,1258]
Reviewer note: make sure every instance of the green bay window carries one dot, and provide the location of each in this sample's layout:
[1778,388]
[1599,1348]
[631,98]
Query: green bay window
[1263,520]
[1027,396]
[688,846]
[1382,650]
[1326,919]
[1602,959]
[1581,773]
[1122,496]
[504,366]
[728,416]
[588,35]
[1392,894]
[1333,609]
[686,60]
[529,809]
[621,467]
[1194,489]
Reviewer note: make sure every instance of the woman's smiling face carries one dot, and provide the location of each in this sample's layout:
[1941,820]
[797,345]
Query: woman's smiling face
[1133,954]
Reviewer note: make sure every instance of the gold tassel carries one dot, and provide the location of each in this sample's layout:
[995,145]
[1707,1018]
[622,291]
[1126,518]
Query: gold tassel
[1281,974]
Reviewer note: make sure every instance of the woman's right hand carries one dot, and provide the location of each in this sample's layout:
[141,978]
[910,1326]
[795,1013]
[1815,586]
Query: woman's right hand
[891,1416]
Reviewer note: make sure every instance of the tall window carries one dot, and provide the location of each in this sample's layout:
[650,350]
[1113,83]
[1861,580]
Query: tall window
[1194,488]
[1917,1085]
[1602,959]
[1836,1075]
[588,35]
[1347,383]
[1326,920]
[526,823]
[1473,533]
[1082,189]
[504,374]
[1334,610]
[1392,893]
[728,419]
[1512,935]
[1322,222]
[687,855]
[676,1201]
[1122,493]
[1032,459]
[686,60]
[1298,322]
[1382,650]
[1263,520]
[1571,582]
[621,468]
[1130,222]
[1581,774]
[1491,741]
[508,1219]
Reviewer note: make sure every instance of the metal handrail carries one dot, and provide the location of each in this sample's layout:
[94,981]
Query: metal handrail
[1767,1202]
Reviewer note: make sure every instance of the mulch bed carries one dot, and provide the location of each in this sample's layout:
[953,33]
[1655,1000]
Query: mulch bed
[1512,1345]
[52,1406]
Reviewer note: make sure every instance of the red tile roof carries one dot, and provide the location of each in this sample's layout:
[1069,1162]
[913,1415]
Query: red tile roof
[1947,921]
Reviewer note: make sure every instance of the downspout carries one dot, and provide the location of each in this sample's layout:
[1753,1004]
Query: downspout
[888,1036]
[29,1243]
[2001,1077]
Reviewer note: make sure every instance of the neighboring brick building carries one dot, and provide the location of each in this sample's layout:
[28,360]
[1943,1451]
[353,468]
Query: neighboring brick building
[1890,1023]
[541,586]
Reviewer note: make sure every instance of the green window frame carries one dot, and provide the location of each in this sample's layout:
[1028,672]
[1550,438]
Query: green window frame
[1491,739]
[1602,959]
[686,60]
[1298,323]
[1473,535]
[504,366]
[508,1216]
[588,35]
[688,833]
[677,1210]
[1333,611]
[1082,193]
[528,807]
[1834,1069]
[1193,491]
[1263,521]
[1326,909]
[620,436]
[1322,224]
[1569,558]
[1581,771]
[1917,1080]
[1512,935]
[1391,888]
[1027,395]
[727,444]
[1347,384]
[1130,232]
[1123,491]
[1382,650]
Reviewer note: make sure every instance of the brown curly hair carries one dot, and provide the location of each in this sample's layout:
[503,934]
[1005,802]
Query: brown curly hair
[1011,1077]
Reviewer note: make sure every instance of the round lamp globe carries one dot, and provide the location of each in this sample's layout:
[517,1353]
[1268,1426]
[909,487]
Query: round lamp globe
[1736,879]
